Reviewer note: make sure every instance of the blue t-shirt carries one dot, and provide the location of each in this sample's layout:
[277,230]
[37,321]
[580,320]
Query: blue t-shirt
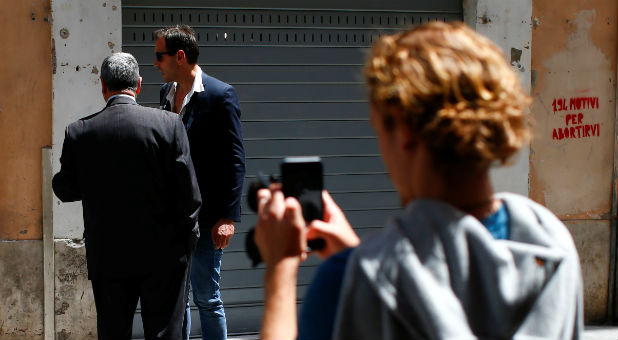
[317,316]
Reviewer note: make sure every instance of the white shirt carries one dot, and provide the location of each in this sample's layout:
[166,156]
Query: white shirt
[120,95]
[197,87]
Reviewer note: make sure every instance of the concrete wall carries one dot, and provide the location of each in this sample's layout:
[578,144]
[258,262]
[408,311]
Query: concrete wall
[84,33]
[507,23]
[25,115]
[21,289]
[25,127]
[565,53]
[572,160]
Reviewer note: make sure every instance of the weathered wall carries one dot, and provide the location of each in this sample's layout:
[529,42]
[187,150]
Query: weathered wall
[84,33]
[572,154]
[25,115]
[507,23]
[76,316]
[25,127]
[591,241]
[21,289]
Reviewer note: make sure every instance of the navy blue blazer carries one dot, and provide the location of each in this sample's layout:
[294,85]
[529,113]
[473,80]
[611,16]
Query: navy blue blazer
[212,120]
[130,166]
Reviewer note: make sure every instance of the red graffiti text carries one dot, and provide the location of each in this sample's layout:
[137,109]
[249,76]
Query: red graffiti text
[579,131]
[575,103]
[574,126]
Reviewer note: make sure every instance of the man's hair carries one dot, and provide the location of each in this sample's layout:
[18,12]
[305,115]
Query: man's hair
[180,37]
[454,89]
[120,71]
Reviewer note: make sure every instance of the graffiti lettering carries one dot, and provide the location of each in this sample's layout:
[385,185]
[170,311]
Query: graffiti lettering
[579,131]
[559,104]
[574,118]
[574,126]
[575,103]
[584,103]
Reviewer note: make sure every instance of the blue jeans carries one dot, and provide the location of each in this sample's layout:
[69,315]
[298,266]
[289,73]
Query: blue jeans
[205,275]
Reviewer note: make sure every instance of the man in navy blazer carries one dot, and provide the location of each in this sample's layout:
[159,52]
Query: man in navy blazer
[131,167]
[210,111]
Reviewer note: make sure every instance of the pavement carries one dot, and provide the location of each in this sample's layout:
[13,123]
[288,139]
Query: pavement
[590,333]
[600,333]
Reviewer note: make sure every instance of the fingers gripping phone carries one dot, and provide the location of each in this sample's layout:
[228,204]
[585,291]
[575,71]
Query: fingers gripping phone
[302,178]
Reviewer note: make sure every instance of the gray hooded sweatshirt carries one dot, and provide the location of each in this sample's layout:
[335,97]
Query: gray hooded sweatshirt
[436,273]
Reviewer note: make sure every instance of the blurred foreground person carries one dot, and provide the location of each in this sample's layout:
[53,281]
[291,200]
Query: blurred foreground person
[460,261]
[131,167]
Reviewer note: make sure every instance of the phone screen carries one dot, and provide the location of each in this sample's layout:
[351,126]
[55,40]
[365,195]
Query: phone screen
[301,177]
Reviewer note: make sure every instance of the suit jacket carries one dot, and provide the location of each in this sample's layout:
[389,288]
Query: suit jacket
[212,120]
[131,167]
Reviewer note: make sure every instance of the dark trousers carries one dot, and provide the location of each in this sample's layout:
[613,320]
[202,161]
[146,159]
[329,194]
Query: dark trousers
[162,296]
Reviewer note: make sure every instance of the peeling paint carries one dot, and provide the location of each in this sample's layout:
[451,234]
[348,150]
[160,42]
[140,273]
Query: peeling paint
[114,8]
[53,55]
[95,70]
[64,33]
[516,59]
[64,335]
[533,75]
[485,19]
[535,23]
[63,308]
[515,54]
[111,45]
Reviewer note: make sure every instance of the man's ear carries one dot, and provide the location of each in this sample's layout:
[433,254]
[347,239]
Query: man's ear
[139,86]
[180,56]
[103,86]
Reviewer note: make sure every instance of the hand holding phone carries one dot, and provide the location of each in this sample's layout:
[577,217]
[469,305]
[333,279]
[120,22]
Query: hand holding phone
[334,228]
[302,178]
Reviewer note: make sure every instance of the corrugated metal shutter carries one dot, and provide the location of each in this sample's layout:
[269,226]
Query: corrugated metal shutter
[298,71]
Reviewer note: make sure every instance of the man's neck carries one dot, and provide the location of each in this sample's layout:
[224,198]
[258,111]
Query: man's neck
[110,94]
[185,82]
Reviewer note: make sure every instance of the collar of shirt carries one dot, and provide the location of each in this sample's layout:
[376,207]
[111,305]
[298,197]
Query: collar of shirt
[197,87]
[120,95]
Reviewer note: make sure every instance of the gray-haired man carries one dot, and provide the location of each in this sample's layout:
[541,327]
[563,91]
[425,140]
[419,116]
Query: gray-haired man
[130,166]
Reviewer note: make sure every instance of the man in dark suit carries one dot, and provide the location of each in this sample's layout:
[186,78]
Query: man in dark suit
[131,168]
[210,111]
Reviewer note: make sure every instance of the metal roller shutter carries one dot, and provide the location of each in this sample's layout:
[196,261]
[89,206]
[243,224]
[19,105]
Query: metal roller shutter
[298,72]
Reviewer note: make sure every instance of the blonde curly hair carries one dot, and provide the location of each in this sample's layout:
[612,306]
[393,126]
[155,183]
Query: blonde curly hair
[454,89]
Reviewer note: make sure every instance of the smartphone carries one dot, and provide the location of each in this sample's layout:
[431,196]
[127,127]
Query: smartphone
[302,178]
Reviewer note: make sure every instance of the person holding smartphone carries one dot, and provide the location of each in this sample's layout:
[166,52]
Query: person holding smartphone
[460,260]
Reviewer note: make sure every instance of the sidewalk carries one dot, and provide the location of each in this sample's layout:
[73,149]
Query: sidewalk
[600,333]
[590,333]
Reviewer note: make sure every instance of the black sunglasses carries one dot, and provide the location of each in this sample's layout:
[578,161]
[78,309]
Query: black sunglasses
[160,55]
